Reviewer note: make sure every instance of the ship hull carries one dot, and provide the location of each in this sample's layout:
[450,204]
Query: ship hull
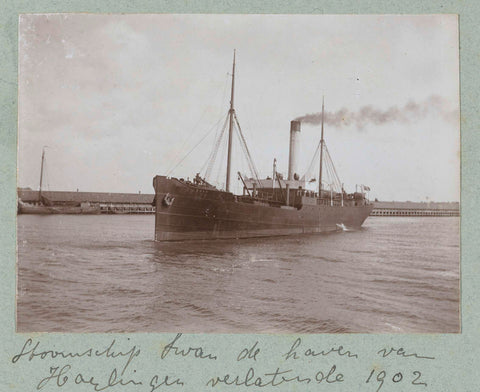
[186,212]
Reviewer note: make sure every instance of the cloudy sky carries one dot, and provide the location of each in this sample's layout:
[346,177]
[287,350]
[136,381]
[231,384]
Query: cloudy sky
[120,98]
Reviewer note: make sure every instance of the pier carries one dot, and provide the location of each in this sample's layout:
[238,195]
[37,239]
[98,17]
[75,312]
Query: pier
[138,203]
[109,203]
[408,208]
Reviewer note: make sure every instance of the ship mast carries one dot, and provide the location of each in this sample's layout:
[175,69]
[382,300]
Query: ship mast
[41,175]
[231,113]
[321,153]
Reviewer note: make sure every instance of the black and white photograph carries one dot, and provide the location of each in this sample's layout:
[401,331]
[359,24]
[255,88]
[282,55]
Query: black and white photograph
[238,173]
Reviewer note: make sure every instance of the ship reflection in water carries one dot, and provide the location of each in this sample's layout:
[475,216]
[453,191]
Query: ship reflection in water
[104,273]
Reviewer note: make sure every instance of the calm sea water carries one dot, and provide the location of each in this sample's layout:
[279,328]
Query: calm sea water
[104,273]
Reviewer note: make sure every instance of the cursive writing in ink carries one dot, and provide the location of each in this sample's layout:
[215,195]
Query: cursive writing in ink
[249,353]
[401,353]
[292,353]
[60,376]
[155,384]
[197,352]
[275,378]
[33,351]
[113,380]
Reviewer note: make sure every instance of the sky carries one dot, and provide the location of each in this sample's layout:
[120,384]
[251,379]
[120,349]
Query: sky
[118,99]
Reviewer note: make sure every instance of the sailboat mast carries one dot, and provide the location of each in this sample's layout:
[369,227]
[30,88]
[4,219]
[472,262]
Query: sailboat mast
[231,113]
[41,175]
[321,153]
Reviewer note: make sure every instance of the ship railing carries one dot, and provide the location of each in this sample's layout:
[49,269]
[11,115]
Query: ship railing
[333,202]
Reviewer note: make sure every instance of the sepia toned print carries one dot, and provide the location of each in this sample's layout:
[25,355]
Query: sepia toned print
[305,173]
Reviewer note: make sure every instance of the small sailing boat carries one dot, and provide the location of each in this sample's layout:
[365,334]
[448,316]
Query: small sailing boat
[43,205]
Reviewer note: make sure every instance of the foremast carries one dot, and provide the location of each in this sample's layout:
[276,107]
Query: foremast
[231,114]
[41,175]
[321,153]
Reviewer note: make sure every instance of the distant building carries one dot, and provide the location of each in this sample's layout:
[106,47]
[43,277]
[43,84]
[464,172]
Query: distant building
[130,203]
[408,208]
[109,203]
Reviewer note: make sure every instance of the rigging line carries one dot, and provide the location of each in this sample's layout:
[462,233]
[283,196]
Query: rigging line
[335,187]
[218,137]
[335,181]
[245,152]
[328,167]
[333,166]
[190,134]
[331,169]
[243,142]
[243,149]
[194,147]
[246,147]
[330,174]
[213,154]
[250,164]
[223,153]
[313,161]
[339,183]
[252,171]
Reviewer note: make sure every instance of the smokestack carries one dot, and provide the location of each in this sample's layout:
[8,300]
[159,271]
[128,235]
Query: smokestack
[294,147]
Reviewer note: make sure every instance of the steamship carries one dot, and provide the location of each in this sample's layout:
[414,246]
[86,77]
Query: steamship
[272,206]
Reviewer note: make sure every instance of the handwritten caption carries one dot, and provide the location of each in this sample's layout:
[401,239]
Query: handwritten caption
[329,366]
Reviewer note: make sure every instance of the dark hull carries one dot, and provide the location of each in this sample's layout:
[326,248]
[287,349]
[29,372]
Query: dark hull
[194,213]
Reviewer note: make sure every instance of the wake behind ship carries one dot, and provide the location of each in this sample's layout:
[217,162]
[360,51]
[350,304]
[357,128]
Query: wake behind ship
[272,206]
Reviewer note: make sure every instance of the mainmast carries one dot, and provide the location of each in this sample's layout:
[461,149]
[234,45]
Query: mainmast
[231,113]
[41,175]
[321,153]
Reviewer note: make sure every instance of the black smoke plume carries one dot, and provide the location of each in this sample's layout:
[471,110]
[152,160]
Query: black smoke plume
[369,115]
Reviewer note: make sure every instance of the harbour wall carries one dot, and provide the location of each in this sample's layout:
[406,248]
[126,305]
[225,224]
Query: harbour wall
[408,208]
[109,203]
[137,203]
